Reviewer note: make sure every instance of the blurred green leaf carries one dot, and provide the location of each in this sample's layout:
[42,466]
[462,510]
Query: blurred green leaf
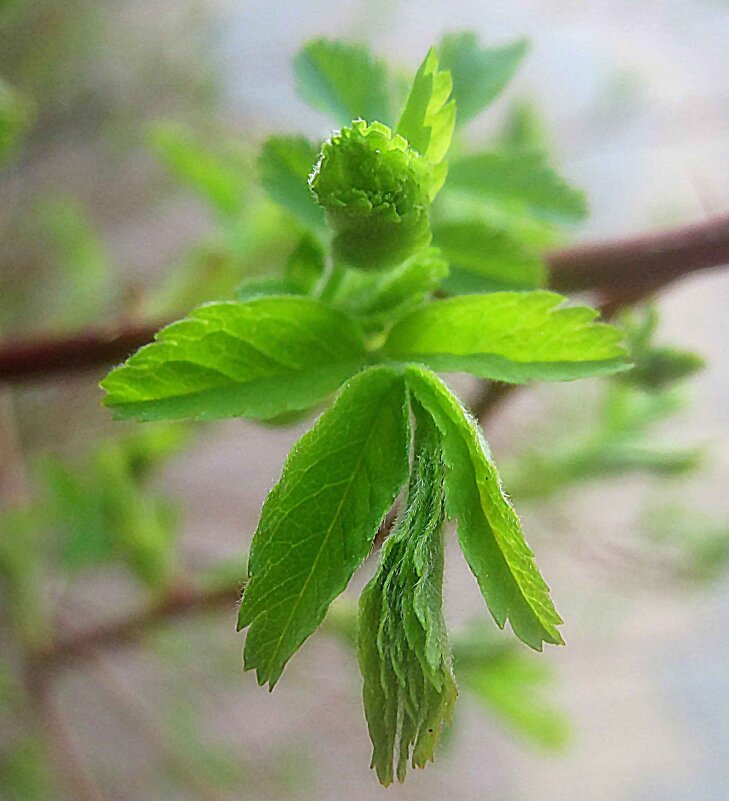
[479,73]
[15,120]
[521,177]
[285,164]
[305,266]
[484,258]
[512,685]
[220,176]
[85,284]
[523,128]
[344,81]
[24,772]
[656,367]
[23,572]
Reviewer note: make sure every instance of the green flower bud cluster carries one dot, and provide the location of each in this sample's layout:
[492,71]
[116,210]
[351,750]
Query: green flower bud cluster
[376,194]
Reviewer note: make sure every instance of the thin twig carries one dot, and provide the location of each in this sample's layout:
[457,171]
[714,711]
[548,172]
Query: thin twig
[179,603]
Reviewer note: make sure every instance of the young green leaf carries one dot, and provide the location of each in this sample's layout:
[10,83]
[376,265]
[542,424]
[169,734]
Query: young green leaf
[285,163]
[489,530]
[479,73]
[403,651]
[257,358]
[523,177]
[318,522]
[509,336]
[343,80]
[376,193]
[485,258]
[380,297]
[429,118]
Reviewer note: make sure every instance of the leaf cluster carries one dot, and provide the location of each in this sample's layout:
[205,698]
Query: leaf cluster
[359,311]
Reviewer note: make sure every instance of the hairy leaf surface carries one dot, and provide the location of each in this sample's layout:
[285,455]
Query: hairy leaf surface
[509,336]
[489,530]
[285,164]
[257,358]
[518,176]
[404,656]
[343,80]
[485,258]
[479,73]
[429,118]
[318,522]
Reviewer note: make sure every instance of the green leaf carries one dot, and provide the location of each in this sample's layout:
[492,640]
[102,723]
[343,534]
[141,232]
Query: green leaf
[305,266]
[403,651]
[509,336]
[343,80]
[523,128]
[429,118]
[379,297]
[479,73]
[489,530]
[221,178]
[257,358]
[99,511]
[485,258]
[285,163]
[318,522]
[522,177]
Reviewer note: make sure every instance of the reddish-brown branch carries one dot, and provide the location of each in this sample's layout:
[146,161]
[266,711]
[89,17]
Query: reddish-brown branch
[642,261]
[47,355]
[632,267]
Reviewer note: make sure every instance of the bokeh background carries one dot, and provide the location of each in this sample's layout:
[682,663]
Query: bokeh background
[635,100]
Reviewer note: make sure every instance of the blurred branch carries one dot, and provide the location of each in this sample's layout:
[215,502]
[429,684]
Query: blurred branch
[46,355]
[177,604]
[641,263]
[622,272]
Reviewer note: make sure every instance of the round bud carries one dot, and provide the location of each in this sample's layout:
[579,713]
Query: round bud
[375,191]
